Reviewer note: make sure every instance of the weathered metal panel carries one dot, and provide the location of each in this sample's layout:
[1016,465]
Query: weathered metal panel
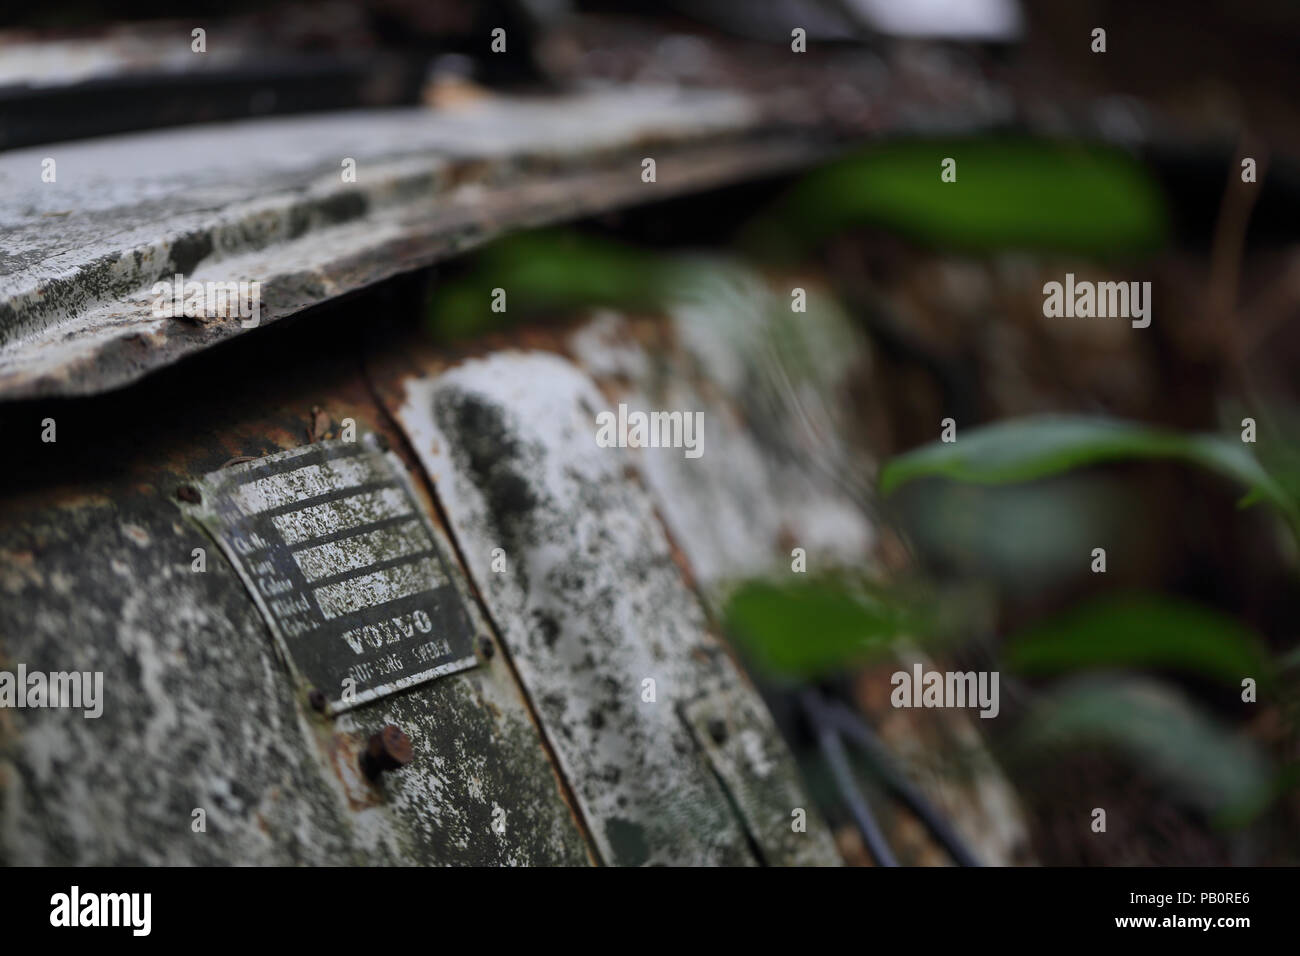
[781,468]
[266,201]
[197,712]
[96,574]
[609,641]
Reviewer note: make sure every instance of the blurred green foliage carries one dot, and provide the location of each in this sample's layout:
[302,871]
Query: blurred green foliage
[1024,539]
[547,272]
[1278,440]
[1138,631]
[1040,446]
[815,628]
[819,625]
[1010,192]
[1221,772]
[828,625]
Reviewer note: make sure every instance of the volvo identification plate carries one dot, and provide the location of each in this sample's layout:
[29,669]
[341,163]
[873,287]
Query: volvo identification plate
[352,578]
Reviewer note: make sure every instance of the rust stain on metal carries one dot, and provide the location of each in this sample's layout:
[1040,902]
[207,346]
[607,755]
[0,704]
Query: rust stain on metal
[388,749]
[346,758]
[322,426]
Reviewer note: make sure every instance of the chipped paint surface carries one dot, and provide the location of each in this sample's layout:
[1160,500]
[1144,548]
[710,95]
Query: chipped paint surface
[591,605]
[200,712]
[780,470]
[264,200]
[197,712]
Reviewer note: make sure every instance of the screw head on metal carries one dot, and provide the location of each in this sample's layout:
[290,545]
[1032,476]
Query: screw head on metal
[316,697]
[189,493]
[389,749]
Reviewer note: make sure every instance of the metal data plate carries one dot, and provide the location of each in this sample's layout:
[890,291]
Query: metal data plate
[350,576]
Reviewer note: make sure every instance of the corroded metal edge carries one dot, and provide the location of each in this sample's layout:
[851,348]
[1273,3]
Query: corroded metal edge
[76,301]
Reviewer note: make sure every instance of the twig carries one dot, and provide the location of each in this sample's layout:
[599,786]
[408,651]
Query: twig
[855,728]
[832,749]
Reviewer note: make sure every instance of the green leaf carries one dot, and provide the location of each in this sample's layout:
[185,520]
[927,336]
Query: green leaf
[1278,445]
[1009,192]
[1163,732]
[543,273]
[1040,446]
[1141,631]
[817,626]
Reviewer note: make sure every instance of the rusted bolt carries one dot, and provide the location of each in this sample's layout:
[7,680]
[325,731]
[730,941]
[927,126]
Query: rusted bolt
[387,750]
[717,730]
[486,648]
[189,493]
[316,697]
